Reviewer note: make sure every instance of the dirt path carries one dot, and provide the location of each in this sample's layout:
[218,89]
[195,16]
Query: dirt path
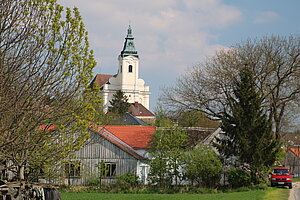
[295,191]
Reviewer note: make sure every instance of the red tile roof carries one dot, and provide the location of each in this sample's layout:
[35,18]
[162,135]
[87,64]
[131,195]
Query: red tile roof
[101,79]
[115,140]
[135,136]
[138,109]
[296,151]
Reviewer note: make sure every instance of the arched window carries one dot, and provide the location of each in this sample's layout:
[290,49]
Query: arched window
[130,68]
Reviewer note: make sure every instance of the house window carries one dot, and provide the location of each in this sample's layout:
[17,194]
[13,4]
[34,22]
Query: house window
[72,169]
[130,68]
[108,169]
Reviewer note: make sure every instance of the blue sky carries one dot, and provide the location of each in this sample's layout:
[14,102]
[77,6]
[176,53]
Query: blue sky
[172,35]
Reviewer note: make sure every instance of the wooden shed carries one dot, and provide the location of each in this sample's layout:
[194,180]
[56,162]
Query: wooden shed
[104,155]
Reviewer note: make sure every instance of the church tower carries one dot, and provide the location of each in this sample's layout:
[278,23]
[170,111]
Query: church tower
[128,63]
[127,78]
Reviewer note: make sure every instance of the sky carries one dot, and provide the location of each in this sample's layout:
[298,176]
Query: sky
[173,35]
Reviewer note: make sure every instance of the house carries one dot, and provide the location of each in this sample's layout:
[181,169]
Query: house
[119,148]
[127,78]
[292,159]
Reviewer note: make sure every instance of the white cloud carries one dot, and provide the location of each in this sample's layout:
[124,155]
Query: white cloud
[265,17]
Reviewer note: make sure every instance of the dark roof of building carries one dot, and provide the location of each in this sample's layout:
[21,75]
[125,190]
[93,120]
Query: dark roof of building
[101,79]
[129,119]
[138,109]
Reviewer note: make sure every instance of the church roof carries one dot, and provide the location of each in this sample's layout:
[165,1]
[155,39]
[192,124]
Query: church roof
[129,48]
[101,79]
[138,109]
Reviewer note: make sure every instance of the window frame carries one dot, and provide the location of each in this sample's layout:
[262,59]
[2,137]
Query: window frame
[72,169]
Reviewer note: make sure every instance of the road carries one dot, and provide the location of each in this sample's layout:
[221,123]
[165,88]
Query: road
[295,191]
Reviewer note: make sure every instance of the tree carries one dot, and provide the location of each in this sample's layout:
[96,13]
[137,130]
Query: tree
[275,62]
[203,165]
[248,135]
[45,68]
[167,148]
[195,118]
[119,104]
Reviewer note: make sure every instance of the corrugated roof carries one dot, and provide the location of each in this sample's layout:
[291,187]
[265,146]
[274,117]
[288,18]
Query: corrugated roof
[135,136]
[138,109]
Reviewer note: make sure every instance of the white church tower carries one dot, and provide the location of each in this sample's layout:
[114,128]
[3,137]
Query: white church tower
[127,78]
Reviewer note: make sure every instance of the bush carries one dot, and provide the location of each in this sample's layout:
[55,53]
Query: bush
[93,182]
[126,181]
[239,178]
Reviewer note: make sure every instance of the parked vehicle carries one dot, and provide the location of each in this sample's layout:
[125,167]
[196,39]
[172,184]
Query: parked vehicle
[281,176]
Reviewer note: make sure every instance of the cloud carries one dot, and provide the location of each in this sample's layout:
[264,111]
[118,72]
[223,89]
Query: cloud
[265,17]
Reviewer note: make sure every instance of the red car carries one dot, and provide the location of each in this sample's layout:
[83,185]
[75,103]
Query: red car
[281,176]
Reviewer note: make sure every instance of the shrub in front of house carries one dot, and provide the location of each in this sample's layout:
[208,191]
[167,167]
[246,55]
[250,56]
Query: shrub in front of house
[239,177]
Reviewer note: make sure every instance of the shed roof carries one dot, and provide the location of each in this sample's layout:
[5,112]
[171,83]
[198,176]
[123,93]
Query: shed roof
[116,140]
[135,136]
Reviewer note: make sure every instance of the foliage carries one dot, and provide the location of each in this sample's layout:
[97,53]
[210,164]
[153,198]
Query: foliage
[161,119]
[203,166]
[119,104]
[195,118]
[207,86]
[167,148]
[247,133]
[45,67]
[239,177]
[126,181]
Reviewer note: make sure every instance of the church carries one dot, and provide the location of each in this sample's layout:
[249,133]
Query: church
[127,78]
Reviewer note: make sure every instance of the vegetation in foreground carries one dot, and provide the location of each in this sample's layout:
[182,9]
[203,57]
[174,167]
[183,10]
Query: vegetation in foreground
[267,194]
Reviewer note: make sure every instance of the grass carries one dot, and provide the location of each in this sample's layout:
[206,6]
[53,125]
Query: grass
[257,194]
[276,194]
[296,179]
[249,195]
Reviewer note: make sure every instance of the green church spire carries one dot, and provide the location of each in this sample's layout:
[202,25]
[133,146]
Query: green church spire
[129,48]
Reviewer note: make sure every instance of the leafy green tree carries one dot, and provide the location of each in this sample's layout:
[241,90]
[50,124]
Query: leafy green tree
[45,68]
[119,104]
[203,165]
[167,149]
[161,119]
[247,130]
[195,118]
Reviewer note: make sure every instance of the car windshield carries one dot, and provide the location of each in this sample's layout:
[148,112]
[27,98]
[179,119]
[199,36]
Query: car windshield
[281,171]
